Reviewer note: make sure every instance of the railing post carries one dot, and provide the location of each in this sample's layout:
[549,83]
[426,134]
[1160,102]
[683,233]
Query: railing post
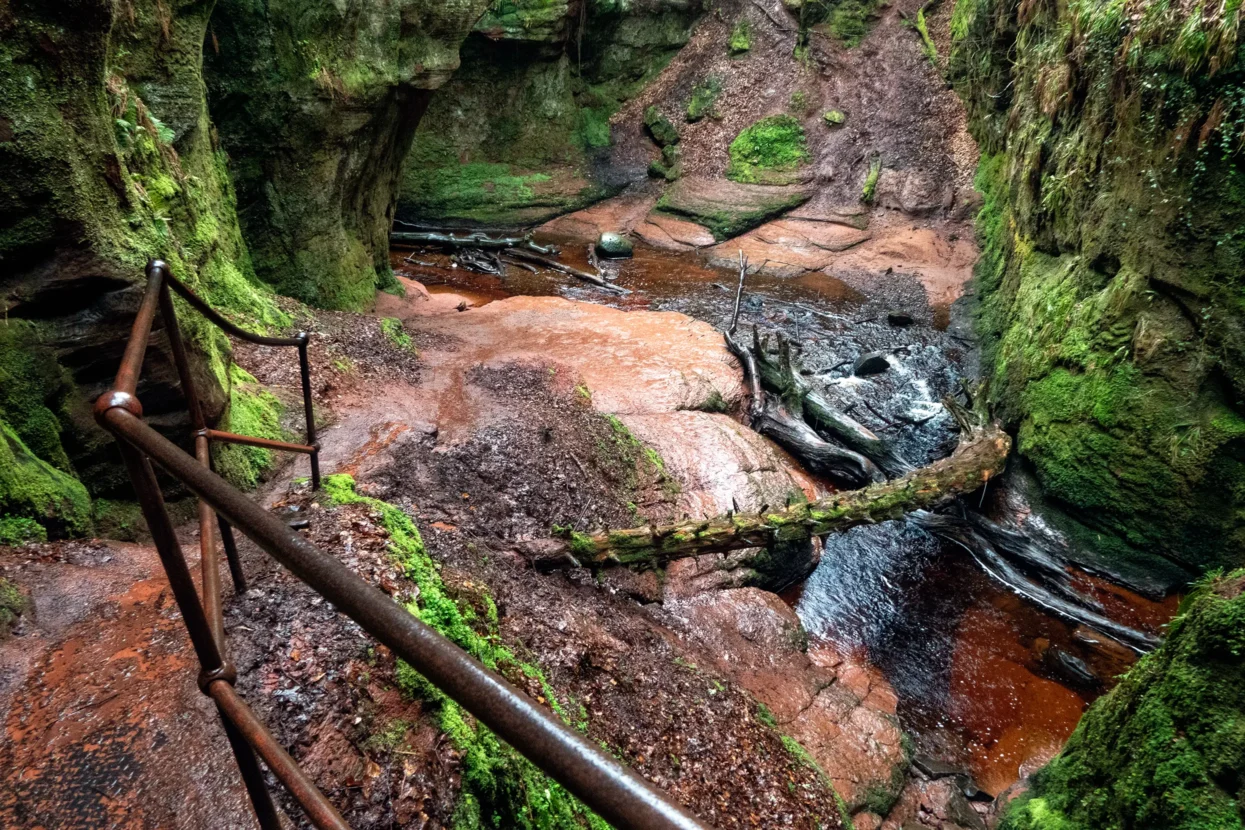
[208,560]
[305,369]
[202,636]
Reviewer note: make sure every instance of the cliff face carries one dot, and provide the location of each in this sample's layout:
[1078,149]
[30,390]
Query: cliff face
[317,108]
[1166,748]
[107,159]
[1111,280]
[521,133]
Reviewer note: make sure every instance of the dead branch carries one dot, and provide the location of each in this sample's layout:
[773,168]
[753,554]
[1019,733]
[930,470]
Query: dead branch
[554,265]
[476,240]
[782,379]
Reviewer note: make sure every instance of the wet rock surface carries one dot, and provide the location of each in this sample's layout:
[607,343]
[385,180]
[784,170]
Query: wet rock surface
[103,722]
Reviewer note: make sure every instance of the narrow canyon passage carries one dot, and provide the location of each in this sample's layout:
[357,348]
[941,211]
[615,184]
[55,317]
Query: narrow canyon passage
[806,413]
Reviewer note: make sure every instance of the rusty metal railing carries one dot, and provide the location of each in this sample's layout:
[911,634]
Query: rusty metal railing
[615,792]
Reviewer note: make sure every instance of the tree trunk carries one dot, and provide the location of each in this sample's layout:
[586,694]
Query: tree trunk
[980,456]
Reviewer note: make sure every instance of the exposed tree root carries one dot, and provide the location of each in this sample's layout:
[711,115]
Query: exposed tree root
[1010,557]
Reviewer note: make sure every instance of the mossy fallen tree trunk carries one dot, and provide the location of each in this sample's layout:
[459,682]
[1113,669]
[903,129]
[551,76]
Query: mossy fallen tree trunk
[981,456]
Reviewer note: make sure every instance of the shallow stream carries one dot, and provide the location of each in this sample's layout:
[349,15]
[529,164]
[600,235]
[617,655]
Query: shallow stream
[986,681]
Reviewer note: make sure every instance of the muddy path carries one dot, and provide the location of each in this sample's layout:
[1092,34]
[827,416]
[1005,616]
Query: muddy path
[104,725]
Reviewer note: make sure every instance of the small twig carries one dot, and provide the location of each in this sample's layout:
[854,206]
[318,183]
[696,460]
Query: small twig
[739,292]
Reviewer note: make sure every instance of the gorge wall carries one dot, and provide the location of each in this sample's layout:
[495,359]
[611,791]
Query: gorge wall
[1110,284]
[521,133]
[317,109]
[108,157]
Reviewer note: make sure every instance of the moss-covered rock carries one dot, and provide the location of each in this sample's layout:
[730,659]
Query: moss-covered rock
[32,489]
[1111,279]
[107,159]
[771,151]
[728,209]
[1165,750]
[704,100]
[660,128]
[254,411]
[669,165]
[13,604]
[741,37]
[317,107]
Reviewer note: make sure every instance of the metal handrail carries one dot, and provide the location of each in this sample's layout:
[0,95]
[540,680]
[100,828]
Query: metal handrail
[615,792]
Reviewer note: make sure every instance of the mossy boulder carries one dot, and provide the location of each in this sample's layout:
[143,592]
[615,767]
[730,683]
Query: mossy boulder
[1165,749]
[741,38]
[660,128]
[704,100]
[668,165]
[1111,277]
[614,245]
[728,209]
[107,159]
[771,151]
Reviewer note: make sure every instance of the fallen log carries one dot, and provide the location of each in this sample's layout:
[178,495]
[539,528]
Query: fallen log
[981,456]
[476,240]
[554,265]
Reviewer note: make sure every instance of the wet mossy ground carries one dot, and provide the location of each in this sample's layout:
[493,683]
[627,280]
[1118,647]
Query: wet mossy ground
[500,788]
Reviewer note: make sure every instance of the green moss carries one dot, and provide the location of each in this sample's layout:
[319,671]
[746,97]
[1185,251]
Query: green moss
[669,165]
[500,789]
[868,191]
[799,102]
[741,38]
[728,219]
[660,127]
[17,530]
[396,334]
[927,42]
[13,603]
[389,737]
[848,21]
[704,100]
[769,152]
[1110,279]
[32,489]
[536,111]
[1166,747]
[252,411]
